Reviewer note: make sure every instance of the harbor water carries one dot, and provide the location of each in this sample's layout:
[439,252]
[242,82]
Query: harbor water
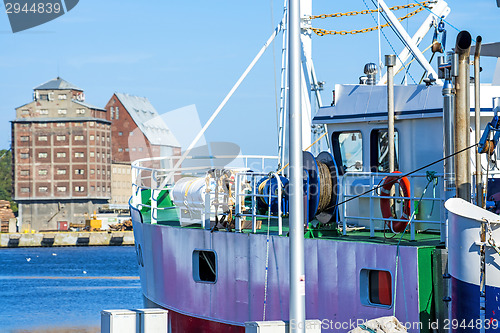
[65,288]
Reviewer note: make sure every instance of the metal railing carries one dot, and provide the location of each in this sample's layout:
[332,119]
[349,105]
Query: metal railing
[355,183]
[148,174]
[254,194]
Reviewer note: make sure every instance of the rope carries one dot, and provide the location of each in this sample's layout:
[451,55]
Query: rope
[397,178]
[260,190]
[370,11]
[325,180]
[323,32]
[412,60]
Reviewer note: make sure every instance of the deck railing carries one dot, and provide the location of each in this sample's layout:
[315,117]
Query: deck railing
[355,183]
[149,174]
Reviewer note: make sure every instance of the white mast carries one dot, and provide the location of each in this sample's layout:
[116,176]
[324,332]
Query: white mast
[297,310]
[305,77]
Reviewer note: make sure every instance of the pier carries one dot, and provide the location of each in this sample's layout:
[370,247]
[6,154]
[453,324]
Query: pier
[82,238]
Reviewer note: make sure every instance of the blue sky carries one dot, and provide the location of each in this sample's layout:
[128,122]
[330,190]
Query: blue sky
[179,53]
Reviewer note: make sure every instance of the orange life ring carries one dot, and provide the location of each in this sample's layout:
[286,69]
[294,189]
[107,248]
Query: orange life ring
[385,205]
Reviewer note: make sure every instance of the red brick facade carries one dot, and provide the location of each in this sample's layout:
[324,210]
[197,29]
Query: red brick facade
[129,143]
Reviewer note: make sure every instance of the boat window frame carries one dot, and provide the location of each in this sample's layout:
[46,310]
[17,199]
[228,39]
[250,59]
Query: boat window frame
[364,287]
[196,266]
[374,149]
[337,153]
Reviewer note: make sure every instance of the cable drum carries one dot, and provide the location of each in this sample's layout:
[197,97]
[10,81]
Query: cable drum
[327,210]
[321,173]
[266,185]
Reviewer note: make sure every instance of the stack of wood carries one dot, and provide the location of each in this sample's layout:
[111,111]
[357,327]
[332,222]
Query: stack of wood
[5,215]
[124,226]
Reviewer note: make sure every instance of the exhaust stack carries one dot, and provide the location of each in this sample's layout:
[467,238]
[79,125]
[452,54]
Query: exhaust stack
[462,117]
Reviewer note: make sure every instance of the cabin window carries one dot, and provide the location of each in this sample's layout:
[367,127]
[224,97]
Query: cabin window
[348,150]
[376,288]
[379,150]
[205,266]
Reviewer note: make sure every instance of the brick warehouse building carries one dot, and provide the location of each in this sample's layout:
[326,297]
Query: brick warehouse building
[138,131]
[61,148]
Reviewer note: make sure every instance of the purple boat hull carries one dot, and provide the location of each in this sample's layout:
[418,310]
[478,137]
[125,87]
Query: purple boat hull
[333,286]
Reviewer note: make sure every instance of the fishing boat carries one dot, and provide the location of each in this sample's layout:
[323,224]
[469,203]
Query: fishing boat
[385,213]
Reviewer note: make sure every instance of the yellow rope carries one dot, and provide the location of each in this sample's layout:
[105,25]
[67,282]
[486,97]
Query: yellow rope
[366,11]
[323,32]
[405,65]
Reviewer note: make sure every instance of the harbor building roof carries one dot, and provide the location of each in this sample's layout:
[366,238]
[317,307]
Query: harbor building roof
[148,120]
[57,84]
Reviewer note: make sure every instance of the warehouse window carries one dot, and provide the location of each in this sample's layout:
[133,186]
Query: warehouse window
[79,154]
[42,172]
[25,189]
[43,189]
[42,138]
[61,171]
[61,137]
[79,188]
[42,155]
[25,138]
[24,155]
[61,154]
[24,173]
[61,189]
[205,266]
[61,97]
[80,111]
[78,137]
[44,111]
[62,111]
[79,171]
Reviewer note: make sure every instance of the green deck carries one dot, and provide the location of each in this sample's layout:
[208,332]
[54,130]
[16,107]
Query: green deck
[170,218]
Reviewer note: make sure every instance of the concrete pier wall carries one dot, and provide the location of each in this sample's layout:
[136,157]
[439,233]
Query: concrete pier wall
[67,239]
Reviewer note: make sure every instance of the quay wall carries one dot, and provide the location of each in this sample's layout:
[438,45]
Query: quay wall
[94,238]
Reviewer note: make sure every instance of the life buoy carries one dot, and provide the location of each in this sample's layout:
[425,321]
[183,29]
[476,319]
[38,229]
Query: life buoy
[385,205]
